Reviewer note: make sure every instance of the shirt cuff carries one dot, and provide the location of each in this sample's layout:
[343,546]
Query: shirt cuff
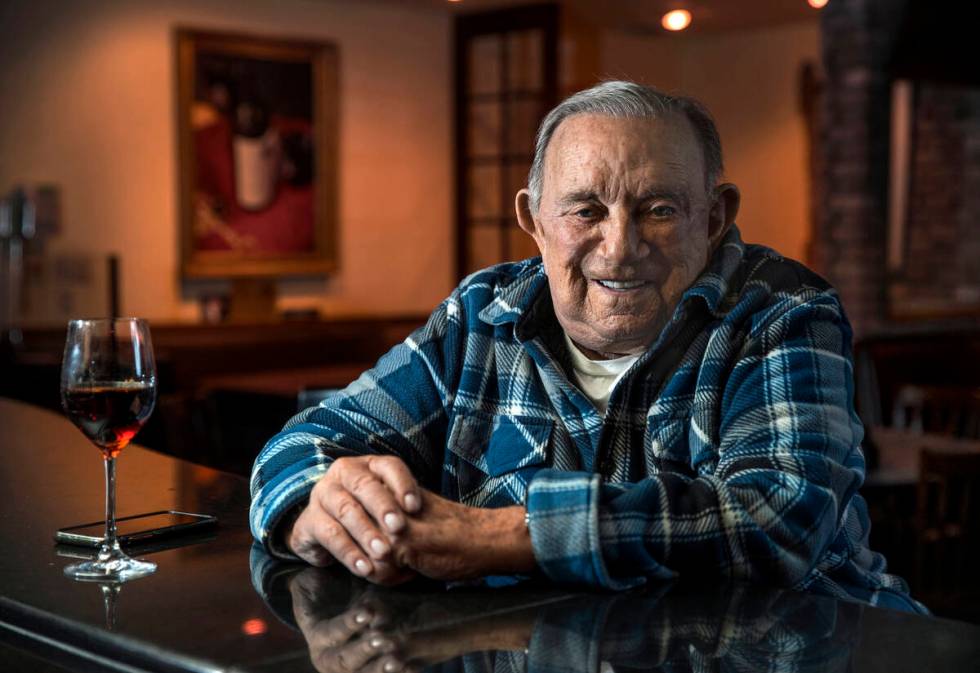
[563,519]
[273,509]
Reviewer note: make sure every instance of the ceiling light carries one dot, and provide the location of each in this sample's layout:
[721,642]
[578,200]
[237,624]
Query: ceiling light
[817,4]
[678,19]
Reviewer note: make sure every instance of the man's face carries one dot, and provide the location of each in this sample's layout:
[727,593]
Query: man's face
[624,226]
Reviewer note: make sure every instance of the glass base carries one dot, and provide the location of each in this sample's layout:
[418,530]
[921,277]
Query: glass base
[117,569]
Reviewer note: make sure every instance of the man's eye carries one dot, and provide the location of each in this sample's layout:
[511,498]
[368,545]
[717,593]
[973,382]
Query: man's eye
[663,211]
[585,213]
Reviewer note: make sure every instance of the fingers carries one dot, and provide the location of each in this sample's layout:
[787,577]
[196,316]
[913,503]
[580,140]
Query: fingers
[317,537]
[383,485]
[367,653]
[344,506]
[390,574]
[302,541]
[399,480]
[367,496]
[338,631]
[353,512]
[321,634]
[374,497]
[355,640]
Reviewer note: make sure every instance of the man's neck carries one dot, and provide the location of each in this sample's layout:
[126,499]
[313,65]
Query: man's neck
[597,355]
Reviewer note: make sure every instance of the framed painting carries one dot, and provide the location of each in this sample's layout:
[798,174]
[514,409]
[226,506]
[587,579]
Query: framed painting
[257,134]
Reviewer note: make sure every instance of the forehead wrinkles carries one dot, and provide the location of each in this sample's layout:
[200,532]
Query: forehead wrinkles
[611,156]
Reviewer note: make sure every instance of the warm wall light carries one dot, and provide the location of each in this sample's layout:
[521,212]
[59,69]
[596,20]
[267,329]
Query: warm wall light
[678,19]
[817,4]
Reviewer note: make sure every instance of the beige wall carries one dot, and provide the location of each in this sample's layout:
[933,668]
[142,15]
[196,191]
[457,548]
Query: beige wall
[87,93]
[750,81]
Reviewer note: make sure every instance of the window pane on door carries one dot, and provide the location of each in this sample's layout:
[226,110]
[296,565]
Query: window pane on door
[523,116]
[524,51]
[484,192]
[484,129]
[483,246]
[484,64]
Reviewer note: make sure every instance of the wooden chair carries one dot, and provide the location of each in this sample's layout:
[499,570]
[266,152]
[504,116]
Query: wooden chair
[947,525]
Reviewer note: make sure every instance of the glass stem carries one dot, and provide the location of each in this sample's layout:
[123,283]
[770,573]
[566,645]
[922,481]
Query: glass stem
[110,544]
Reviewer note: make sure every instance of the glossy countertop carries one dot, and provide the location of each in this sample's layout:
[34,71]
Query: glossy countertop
[216,603]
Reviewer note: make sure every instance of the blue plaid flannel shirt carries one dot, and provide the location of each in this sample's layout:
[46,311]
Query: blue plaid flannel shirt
[730,448]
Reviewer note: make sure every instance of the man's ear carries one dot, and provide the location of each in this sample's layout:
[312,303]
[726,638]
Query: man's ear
[525,220]
[724,208]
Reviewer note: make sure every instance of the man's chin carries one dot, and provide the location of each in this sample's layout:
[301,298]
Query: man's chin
[617,343]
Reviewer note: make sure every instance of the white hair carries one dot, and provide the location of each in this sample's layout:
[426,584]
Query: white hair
[632,101]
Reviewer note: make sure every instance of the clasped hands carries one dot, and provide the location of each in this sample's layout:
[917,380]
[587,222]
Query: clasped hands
[370,514]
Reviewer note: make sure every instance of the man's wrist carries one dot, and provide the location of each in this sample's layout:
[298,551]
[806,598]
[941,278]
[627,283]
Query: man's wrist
[508,542]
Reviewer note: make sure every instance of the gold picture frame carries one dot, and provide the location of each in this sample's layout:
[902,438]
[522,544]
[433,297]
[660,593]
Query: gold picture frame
[257,145]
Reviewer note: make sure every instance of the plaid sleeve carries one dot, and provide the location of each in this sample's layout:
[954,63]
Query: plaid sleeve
[397,408]
[788,463]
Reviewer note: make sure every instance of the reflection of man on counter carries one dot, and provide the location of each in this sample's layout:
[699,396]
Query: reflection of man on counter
[652,397]
[353,626]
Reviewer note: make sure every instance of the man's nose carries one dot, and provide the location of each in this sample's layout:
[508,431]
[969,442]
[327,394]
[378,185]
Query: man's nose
[622,237]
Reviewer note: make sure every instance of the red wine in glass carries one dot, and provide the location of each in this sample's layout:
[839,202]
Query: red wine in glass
[108,389]
[111,414]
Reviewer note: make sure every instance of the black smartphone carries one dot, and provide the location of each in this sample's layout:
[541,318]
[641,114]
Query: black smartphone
[137,529]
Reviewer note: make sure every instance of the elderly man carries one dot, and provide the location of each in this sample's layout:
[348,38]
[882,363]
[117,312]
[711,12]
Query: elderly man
[651,397]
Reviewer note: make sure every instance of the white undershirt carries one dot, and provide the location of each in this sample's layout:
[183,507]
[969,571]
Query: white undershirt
[597,378]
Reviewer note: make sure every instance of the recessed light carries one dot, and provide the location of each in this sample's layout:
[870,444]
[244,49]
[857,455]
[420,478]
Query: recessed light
[675,20]
[817,4]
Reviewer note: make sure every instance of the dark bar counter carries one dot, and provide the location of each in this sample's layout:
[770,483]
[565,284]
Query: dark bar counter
[216,603]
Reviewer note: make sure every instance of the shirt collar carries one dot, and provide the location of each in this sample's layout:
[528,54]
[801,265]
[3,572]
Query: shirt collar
[715,282]
[514,298]
[517,297]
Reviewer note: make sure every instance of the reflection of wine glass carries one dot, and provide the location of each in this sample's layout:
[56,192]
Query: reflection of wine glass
[110,588]
[110,594]
[108,388]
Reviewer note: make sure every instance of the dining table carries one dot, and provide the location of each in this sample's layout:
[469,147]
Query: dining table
[219,602]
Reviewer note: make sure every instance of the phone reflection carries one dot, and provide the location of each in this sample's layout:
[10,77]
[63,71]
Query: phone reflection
[350,625]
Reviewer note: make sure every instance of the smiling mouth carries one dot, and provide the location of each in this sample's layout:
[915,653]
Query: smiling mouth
[621,285]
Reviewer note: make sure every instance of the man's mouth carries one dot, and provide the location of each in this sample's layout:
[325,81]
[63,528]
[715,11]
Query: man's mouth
[620,284]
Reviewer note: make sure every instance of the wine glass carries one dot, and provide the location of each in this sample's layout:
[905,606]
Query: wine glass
[108,389]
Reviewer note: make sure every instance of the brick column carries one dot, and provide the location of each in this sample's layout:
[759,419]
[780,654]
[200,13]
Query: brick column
[850,236]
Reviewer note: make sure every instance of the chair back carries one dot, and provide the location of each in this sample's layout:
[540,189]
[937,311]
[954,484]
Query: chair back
[312,397]
[943,410]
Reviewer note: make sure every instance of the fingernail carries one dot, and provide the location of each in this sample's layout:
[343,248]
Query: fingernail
[362,566]
[378,546]
[412,502]
[361,617]
[377,642]
[392,666]
[394,522]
